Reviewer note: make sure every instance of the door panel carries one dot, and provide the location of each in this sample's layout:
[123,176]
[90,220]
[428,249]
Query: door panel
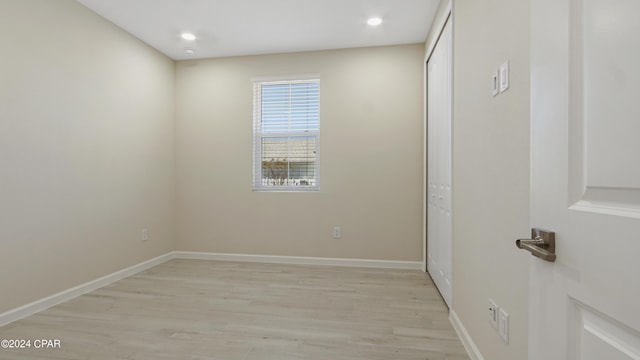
[585,179]
[598,337]
[604,112]
[606,34]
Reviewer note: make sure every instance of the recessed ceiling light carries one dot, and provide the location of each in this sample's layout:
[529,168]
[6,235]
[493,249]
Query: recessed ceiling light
[188,36]
[190,51]
[374,21]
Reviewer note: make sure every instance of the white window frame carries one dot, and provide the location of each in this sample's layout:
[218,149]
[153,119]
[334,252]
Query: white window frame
[258,135]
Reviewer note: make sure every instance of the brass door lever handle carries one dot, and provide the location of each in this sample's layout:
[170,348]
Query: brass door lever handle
[542,244]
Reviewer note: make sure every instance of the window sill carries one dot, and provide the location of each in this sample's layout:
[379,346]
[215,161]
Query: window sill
[288,190]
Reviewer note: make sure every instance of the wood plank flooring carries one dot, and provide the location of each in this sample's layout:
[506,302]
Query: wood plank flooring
[193,309]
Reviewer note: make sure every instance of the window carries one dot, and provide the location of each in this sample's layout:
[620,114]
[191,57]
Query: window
[286,134]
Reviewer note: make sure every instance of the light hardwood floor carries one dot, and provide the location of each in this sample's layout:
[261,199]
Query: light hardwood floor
[193,309]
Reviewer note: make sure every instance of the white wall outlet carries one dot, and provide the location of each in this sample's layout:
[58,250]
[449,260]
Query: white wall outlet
[495,86]
[503,325]
[493,314]
[504,76]
[145,234]
[337,232]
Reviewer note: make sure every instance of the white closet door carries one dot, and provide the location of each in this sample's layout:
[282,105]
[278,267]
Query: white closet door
[439,82]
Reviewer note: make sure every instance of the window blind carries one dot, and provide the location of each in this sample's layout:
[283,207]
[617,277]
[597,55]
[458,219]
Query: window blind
[286,123]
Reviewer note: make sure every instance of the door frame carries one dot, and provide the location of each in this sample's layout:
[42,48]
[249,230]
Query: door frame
[438,25]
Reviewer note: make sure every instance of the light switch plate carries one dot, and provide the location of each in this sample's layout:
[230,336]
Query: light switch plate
[494,83]
[493,314]
[504,76]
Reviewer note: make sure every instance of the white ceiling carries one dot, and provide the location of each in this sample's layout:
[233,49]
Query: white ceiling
[250,27]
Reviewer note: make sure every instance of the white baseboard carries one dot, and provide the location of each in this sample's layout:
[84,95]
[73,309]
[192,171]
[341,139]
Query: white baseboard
[300,260]
[55,299]
[464,336]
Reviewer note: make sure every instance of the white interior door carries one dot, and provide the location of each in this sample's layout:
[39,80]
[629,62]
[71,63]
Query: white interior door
[585,107]
[439,90]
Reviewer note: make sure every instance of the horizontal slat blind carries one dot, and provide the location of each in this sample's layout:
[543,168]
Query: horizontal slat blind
[286,135]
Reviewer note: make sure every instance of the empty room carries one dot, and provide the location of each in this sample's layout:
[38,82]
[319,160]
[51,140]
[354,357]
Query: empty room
[335,179]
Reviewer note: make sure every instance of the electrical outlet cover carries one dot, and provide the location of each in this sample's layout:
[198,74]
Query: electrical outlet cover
[503,326]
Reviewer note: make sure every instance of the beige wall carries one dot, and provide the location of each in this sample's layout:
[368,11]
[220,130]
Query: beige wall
[86,149]
[491,171]
[371,158]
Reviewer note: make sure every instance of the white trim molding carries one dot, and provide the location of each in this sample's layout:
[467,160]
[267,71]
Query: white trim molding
[65,295]
[300,260]
[464,336]
[438,25]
